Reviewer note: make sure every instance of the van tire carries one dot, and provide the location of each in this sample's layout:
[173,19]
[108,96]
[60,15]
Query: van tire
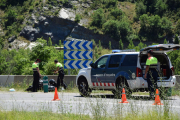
[120,84]
[83,87]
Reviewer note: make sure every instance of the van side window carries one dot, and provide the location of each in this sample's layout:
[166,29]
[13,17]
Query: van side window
[130,60]
[115,61]
[102,62]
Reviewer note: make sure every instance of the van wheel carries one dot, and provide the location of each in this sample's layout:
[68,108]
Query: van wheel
[84,88]
[119,87]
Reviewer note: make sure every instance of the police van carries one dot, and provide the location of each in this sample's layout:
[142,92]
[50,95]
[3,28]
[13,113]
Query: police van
[126,69]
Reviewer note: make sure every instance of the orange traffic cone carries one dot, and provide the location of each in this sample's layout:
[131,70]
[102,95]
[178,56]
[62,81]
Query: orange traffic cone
[157,99]
[124,100]
[56,98]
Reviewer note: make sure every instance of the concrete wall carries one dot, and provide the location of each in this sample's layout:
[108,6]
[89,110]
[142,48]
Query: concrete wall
[70,80]
[5,80]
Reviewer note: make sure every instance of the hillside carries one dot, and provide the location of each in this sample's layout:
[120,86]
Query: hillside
[149,21]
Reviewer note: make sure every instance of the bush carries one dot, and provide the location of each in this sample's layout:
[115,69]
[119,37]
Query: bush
[20,18]
[56,12]
[121,45]
[111,28]
[140,9]
[117,29]
[31,8]
[77,18]
[131,45]
[117,13]
[98,18]
[111,3]
[154,27]
[178,27]
[176,39]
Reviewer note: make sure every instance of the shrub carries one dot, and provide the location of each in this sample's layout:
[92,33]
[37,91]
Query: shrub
[98,18]
[165,41]
[111,3]
[49,42]
[131,45]
[178,27]
[140,9]
[50,7]
[20,18]
[77,18]
[121,45]
[111,28]
[56,12]
[117,13]
[176,39]
[31,8]
[110,45]
[154,27]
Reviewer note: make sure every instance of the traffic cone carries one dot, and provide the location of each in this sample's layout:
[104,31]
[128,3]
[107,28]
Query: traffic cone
[56,98]
[157,99]
[124,100]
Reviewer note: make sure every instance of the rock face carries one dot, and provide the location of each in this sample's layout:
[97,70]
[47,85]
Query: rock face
[59,28]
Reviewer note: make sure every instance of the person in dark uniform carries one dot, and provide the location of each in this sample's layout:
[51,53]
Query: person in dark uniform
[36,75]
[151,72]
[60,78]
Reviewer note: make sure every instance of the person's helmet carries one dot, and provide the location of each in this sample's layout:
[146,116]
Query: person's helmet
[150,51]
[38,60]
[52,82]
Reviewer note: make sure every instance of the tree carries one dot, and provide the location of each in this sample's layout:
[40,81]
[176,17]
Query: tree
[131,45]
[110,45]
[178,27]
[140,9]
[50,42]
[111,28]
[117,13]
[11,15]
[165,41]
[121,44]
[176,40]
[161,7]
[60,43]
[98,18]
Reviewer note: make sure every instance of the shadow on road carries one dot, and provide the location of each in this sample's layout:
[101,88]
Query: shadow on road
[140,97]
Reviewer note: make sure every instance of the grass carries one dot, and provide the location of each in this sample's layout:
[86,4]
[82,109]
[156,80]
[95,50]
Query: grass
[23,115]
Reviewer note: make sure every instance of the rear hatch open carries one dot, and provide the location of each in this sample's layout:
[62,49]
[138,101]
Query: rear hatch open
[164,64]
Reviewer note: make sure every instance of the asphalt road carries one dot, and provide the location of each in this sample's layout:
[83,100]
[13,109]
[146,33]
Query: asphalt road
[97,104]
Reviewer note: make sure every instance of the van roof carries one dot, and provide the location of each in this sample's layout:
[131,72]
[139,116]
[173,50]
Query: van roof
[122,53]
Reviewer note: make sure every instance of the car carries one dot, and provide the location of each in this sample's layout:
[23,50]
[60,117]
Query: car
[126,69]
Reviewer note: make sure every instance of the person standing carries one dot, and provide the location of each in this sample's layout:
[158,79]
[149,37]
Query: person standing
[36,75]
[60,78]
[151,72]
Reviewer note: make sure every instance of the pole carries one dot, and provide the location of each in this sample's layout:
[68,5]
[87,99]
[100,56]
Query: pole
[69,72]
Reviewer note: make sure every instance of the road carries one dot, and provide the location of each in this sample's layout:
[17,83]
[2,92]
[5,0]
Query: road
[96,104]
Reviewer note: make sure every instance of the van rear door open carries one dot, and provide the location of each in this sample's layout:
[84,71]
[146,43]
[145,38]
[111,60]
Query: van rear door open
[161,48]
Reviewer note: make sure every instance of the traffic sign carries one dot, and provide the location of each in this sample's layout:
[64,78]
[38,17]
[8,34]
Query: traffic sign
[76,64]
[81,45]
[78,54]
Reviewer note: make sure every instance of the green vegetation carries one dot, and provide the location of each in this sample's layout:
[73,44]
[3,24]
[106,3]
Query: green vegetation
[77,18]
[45,115]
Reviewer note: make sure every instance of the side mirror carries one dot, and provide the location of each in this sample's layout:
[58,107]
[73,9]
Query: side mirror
[93,65]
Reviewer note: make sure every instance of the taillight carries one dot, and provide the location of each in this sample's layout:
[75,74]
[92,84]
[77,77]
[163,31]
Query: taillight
[172,70]
[138,72]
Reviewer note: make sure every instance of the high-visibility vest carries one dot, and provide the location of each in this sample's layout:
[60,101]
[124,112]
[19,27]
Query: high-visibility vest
[60,66]
[34,66]
[152,62]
